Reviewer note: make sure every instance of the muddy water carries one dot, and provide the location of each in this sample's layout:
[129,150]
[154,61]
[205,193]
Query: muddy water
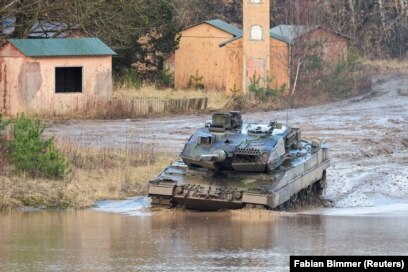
[142,240]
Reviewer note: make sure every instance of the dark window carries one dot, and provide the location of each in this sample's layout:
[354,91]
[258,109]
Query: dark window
[68,80]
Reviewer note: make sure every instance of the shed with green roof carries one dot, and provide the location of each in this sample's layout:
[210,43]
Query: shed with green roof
[54,76]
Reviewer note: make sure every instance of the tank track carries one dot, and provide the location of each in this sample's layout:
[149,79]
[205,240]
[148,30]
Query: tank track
[308,197]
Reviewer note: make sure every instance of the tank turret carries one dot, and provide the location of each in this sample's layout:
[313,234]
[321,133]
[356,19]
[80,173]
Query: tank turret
[225,143]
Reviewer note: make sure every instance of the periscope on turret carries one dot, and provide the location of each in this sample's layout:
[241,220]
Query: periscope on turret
[231,164]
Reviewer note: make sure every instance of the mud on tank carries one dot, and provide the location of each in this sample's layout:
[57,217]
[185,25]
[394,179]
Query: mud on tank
[231,164]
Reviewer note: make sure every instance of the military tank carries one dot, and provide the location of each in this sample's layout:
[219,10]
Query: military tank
[231,164]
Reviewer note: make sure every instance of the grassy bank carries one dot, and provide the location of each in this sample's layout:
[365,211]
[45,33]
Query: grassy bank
[94,174]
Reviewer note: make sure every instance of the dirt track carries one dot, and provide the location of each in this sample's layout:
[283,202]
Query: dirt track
[368,137]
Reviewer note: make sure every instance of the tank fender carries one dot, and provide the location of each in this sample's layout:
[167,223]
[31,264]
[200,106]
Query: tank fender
[254,199]
[259,199]
[161,189]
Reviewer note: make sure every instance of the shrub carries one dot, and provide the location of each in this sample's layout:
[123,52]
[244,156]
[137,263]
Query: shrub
[342,79]
[273,92]
[254,85]
[196,82]
[31,153]
[331,80]
[128,78]
[164,79]
[313,62]
[234,90]
[268,92]
[3,125]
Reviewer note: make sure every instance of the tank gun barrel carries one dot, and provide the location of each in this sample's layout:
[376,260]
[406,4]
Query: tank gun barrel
[217,156]
[209,157]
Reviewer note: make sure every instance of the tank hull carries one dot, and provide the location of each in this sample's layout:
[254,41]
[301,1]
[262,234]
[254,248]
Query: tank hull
[202,189]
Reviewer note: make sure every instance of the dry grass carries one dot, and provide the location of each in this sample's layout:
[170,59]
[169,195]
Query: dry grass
[91,158]
[249,102]
[95,174]
[216,99]
[388,66]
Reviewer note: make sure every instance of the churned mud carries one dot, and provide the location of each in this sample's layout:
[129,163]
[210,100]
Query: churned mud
[367,135]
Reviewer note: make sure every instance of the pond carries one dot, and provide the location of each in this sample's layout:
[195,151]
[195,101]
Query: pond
[129,236]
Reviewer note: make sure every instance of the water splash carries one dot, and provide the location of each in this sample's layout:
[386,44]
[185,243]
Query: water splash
[386,209]
[138,206]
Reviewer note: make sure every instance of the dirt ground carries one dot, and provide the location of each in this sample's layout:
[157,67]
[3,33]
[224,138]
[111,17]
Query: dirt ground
[368,138]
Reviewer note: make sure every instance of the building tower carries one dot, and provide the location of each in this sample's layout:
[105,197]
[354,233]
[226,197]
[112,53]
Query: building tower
[256,42]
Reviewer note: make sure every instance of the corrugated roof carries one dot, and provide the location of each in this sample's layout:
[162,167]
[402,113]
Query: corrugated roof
[289,33]
[220,24]
[225,27]
[62,47]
